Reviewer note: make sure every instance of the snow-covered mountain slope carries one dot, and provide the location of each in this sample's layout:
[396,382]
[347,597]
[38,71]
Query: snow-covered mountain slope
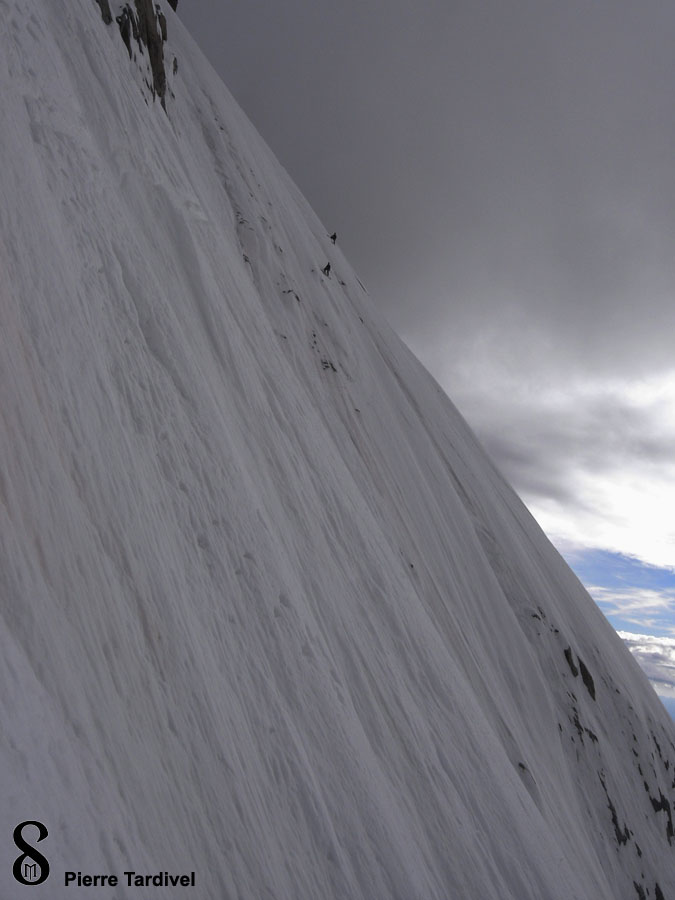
[269,614]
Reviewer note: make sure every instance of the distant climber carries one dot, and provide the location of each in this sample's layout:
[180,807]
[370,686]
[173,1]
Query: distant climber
[326,270]
[333,237]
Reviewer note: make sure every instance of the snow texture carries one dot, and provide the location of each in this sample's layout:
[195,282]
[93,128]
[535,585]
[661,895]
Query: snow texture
[269,613]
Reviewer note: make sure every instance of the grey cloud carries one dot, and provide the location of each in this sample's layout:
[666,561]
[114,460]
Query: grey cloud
[501,177]
[522,463]
[540,446]
[479,157]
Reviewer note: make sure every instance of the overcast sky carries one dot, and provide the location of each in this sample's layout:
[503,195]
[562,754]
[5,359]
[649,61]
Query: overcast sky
[502,177]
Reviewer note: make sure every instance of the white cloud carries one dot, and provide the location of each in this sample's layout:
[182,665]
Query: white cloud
[645,607]
[593,460]
[625,510]
[656,657]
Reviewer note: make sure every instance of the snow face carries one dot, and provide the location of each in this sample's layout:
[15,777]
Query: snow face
[269,612]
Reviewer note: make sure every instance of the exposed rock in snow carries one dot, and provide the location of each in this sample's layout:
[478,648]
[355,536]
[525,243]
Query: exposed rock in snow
[147,27]
[105,10]
[143,29]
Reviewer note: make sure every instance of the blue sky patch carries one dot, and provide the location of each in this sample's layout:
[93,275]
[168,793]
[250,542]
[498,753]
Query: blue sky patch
[634,596]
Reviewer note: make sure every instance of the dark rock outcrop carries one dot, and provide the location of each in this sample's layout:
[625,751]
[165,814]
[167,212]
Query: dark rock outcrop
[127,25]
[569,656]
[146,25]
[587,678]
[104,6]
[161,19]
[173,4]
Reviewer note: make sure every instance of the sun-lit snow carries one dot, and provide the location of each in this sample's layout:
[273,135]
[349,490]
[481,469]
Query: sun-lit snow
[269,613]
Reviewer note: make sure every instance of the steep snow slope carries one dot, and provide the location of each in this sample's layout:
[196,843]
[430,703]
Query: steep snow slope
[269,613]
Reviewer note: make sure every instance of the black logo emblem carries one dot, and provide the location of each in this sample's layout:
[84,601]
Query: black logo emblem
[31,867]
